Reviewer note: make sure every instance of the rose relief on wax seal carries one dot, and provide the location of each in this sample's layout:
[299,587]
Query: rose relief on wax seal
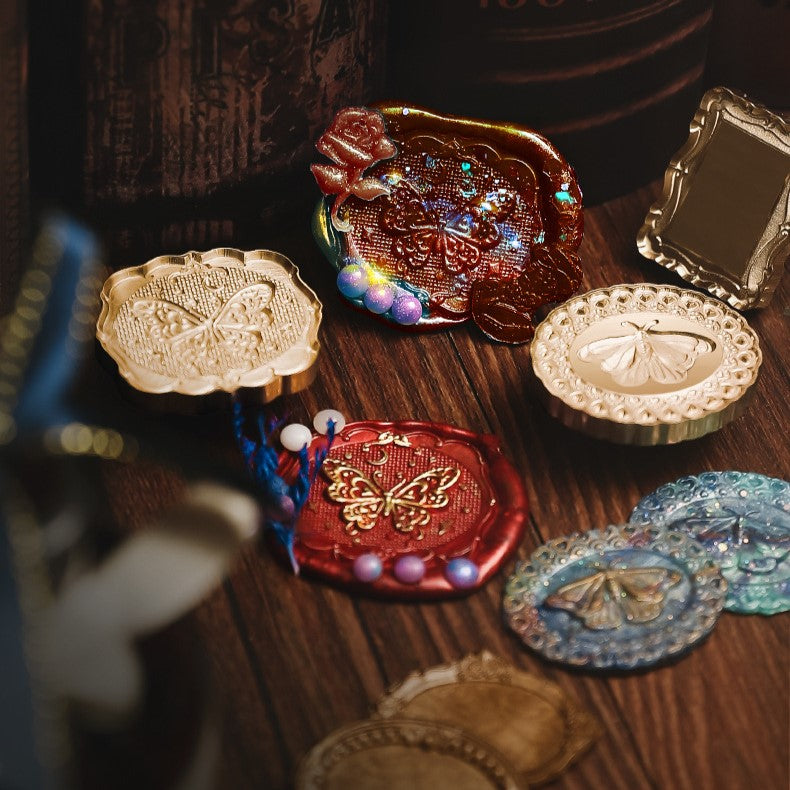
[410,510]
[355,141]
[438,219]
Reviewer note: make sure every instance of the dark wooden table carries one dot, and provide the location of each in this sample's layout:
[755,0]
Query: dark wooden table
[293,659]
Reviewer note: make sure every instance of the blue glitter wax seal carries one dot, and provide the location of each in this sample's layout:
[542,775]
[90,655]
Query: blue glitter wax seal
[620,598]
[743,520]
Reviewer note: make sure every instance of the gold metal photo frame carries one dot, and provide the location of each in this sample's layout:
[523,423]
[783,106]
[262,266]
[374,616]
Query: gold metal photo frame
[723,220]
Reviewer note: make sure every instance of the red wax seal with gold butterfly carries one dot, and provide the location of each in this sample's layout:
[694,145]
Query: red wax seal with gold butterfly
[432,220]
[410,510]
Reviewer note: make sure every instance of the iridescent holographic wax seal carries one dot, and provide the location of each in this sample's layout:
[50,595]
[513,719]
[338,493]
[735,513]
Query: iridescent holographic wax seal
[409,510]
[528,719]
[404,754]
[743,520]
[217,321]
[432,220]
[619,598]
[646,364]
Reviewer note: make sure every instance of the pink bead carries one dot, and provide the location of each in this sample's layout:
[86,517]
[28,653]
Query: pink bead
[367,567]
[406,309]
[378,298]
[409,569]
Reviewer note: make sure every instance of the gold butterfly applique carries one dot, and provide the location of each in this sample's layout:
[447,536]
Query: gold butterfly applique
[647,353]
[409,502]
[608,598]
[236,326]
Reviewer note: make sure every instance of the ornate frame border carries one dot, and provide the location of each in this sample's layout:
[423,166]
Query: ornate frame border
[765,267]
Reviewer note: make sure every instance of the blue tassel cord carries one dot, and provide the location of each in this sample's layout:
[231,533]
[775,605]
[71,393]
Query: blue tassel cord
[283,502]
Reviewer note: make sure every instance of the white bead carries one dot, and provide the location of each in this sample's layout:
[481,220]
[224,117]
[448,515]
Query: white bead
[295,436]
[322,418]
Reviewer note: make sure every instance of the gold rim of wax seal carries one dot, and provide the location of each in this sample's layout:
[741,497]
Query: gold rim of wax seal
[404,754]
[646,364]
[203,322]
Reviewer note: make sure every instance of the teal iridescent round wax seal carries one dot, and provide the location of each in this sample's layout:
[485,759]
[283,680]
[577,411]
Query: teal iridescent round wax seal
[619,598]
[743,520]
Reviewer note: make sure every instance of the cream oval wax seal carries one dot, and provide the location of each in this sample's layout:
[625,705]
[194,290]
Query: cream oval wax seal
[646,364]
[217,321]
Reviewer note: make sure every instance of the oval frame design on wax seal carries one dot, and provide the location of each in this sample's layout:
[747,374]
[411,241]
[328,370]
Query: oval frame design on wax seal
[711,508]
[417,495]
[415,744]
[645,364]
[526,718]
[182,324]
[680,614]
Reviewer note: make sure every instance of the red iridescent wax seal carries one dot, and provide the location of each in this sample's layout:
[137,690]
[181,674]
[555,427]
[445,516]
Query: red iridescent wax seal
[432,220]
[410,510]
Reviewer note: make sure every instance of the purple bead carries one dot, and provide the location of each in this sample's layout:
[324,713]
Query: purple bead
[406,309]
[378,298]
[281,509]
[367,567]
[286,507]
[462,573]
[409,569]
[352,281]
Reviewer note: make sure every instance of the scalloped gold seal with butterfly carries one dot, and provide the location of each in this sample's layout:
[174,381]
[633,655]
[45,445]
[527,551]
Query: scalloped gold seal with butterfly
[219,320]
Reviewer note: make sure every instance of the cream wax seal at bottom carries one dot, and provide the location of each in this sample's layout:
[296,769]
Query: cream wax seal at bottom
[646,364]
[222,320]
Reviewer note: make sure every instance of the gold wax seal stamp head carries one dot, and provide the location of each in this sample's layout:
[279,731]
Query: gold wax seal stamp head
[222,320]
[646,364]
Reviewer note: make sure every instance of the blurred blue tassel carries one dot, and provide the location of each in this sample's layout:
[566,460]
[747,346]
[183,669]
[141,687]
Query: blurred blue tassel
[283,502]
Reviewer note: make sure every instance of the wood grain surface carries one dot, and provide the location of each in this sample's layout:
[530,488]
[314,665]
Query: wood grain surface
[292,659]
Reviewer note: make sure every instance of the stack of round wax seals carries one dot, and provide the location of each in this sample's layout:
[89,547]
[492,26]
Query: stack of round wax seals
[511,729]
[630,596]
[405,509]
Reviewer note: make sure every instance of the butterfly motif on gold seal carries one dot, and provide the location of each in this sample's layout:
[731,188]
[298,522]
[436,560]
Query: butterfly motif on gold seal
[409,502]
[647,353]
[607,599]
[456,238]
[236,326]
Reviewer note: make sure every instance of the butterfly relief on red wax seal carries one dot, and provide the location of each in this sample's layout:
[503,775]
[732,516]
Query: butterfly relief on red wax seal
[454,237]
